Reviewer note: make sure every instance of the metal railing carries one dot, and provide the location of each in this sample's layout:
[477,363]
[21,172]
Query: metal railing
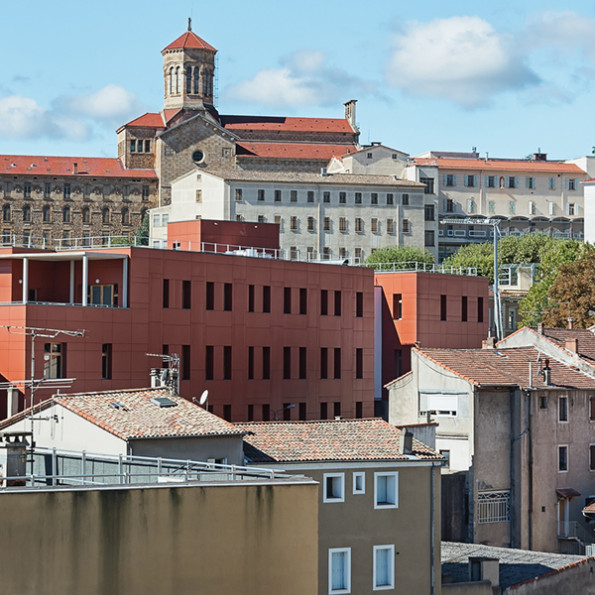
[479,235]
[105,241]
[420,267]
[574,530]
[51,467]
[493,506]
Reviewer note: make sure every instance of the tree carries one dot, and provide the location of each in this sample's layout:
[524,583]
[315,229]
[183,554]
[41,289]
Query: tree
[142,234]
[401,254]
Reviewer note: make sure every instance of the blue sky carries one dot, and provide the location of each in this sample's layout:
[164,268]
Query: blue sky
[506,77]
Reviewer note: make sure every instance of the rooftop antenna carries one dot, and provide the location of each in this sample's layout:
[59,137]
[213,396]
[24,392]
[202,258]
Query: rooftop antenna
[189,24]
[172,379]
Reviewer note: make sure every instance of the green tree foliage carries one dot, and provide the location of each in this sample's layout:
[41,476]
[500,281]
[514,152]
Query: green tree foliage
[142,234]
[407,254]
[479,256]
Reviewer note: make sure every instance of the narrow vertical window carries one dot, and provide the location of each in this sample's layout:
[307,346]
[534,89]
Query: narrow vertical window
[250,298]
[303,300]
[359,409]
[266,363]
[359,363]
[323,302]
[106,361]
[359,304]
[210,296]
[337,409]
[266,298]
[227,412]
[287,300]
[302,411]
[266,412]
[286,363]
[323,410]
[464,308]
[250,412]
[303,363]
[323,363]
[397,306]
[186,295]
[442,307]
[166,293]
[185,362]
[250,363]
[563,409]
[337,303]
[227,297]
[227,362]
[209,362]
[337,363]
[479,309]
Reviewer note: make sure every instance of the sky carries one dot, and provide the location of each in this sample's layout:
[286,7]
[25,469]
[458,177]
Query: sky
[509,78]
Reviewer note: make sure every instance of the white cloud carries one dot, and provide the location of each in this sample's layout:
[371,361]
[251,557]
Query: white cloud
[302,79]
[462,59]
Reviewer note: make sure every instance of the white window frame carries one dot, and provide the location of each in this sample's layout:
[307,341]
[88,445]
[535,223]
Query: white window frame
[325,496]
[391,557]
[560,446]
[359,475]
[386,505]
[347,576]
[564,409]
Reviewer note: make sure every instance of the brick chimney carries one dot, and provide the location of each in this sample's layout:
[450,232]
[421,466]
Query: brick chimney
[489,343]
[540,328]
[570,323]
[571,345]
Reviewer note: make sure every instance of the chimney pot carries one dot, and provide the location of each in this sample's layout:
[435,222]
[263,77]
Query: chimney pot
[570,323]
[489,343]
[540,328]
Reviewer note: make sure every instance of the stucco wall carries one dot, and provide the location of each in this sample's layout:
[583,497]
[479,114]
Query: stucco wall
[208,539]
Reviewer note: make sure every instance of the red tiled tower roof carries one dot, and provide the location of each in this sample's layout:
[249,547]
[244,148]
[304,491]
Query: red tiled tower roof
[189,40]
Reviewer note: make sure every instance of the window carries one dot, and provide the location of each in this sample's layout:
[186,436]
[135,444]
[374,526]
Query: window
[470,205]
[571,208]
[358,198]
[26,214]
[359,482]
[405,200]
[266,363]
[311,224]
[563,409]
[227,362]
[326,197]
[266,299]
[303,353]
[592,408]
[105,215]
[359,304]
[186,295]
[337,364]
[511,207]
[397,306]
[562,458]
[47,190]
[286,363]
[106,361]
[165,293]
[287,300]
[359,225]
[227,297]
[337,409]
[103,295]
[359,254]
[6,213]
[491,181]
[323,364]
[261,194]
[512,182]
[310,196]
[266,412]
[571,184]
[210,296]
[250,298]
[334,487]
[531,207]
[464,308]
[491,206]
[303,300]
[552,209]
[530,182]
[429,213]
[493,506]
[359,363]
[369,155]
[390,226]
[145,193]
[470,181]
[262,219]
[450,180]
[293,196]
[293,223]
[125,214]
[405,226]
[185,362]
[323,410]
[66,190]
[479,309]
[374,198]
[342,197]
[592,457]
[198,196]
[323,302]
[227,413]
[302,411]
[442,307]
[342,224]
[250,363]
[238,194]
[429,237]
[209,362]
[384,567]
[449,205]
[53,360]
[337,303]
[339,570]
[239,218]
[390,198]
[446,454]
[278,196]
[552,184]
[326,224]
[386,489]
[429,185]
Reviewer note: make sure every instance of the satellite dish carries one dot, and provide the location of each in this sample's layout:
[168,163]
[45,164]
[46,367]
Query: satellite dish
[203,397]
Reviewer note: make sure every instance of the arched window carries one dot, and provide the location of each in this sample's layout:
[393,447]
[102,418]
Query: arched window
[86,215]
[189,80]
[125,216]
[105,215]
[171,80]
[196,73]
[27,214]
[47,214]
[66,214]
[178,79]
[6,214]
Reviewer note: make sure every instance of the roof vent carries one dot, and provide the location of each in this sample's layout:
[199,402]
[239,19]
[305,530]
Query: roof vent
[118,405]
[163,402]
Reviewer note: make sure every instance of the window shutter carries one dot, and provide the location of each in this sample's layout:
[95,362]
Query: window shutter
[464,179]
[516,182]
[527,182]
[444,179]
[487,181]
[454,180]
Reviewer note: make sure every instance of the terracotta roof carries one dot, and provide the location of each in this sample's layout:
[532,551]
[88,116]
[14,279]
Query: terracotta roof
[148,120]
[64,166]
[329,440]
[189,40]
[130,414]
[585,339]
[282,123]
[507,367]
[501,165]
[292,150]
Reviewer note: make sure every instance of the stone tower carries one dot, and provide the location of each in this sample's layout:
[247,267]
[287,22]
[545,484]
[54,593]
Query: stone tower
[188,73]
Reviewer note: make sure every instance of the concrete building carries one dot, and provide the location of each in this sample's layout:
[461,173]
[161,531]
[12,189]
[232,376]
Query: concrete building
[517,426]
[379,503]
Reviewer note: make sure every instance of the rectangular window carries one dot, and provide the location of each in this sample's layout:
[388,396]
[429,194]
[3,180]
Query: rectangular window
[530,182]
[293,223]
[491,181]
[571,208]
[326,226]
[323,302]
[326,197]
[406,226]
[359,225]
[337,303]
[386,489]
[210,296]
[323,363]
[238,194]
[429,183]
[310,196]
[266,412]
[250,363]
[491,207]
[227,297]
[145,193]
[511,207]
[166,293]
[429,213]
[250,412]
[278,195]
[185,363]
[227,412]
[209,362]
[358,198]
[266,363]
[261,194]
[470,181]
[106,361]
[334,487]
[339,570]
[552,184]
[390,226]
[303,300]
[531,207]
[470,205]
[374,198]
[359,363]
[342,224]
[311,224]
[563,409]
[571,184]
[323,410]
[342,198]
[337,409]
[592,457]
[227,362]
[464,308]
[374,225]
[293,196]
[286,363]
[359,482]
[303,362]
[493,506]
[250,298]
[479,309]
[302,411]
[287,300]
[266,299]
[397,306]
[442,307]
[429,237]
[405,200]
[359,304]
[54,360]
[562,458]
[592,408]
[337,364]
[133,146]
[449,205]
[450,180]
[512,182]
[186,295]
[384,567]
[287,407]
[390,198]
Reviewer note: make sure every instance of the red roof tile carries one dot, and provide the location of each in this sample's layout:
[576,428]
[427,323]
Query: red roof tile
[508,367]
[189,40]
[64,166]
[584,337]
[292,150]
[281,123]
[331,440]
[148,120]
[500,165]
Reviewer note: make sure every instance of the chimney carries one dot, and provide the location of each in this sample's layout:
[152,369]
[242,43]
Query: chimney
[406,442]
[570,323]
[571,345]
[350,112]
[75,168]
[539,156]
[489,343]
[547,373]
[540,328]
[482,568]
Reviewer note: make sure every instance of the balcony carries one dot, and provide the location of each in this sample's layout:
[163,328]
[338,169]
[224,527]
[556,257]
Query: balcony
[573,537]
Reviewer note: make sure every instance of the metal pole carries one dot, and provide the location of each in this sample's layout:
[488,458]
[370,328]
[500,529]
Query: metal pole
[497,305]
